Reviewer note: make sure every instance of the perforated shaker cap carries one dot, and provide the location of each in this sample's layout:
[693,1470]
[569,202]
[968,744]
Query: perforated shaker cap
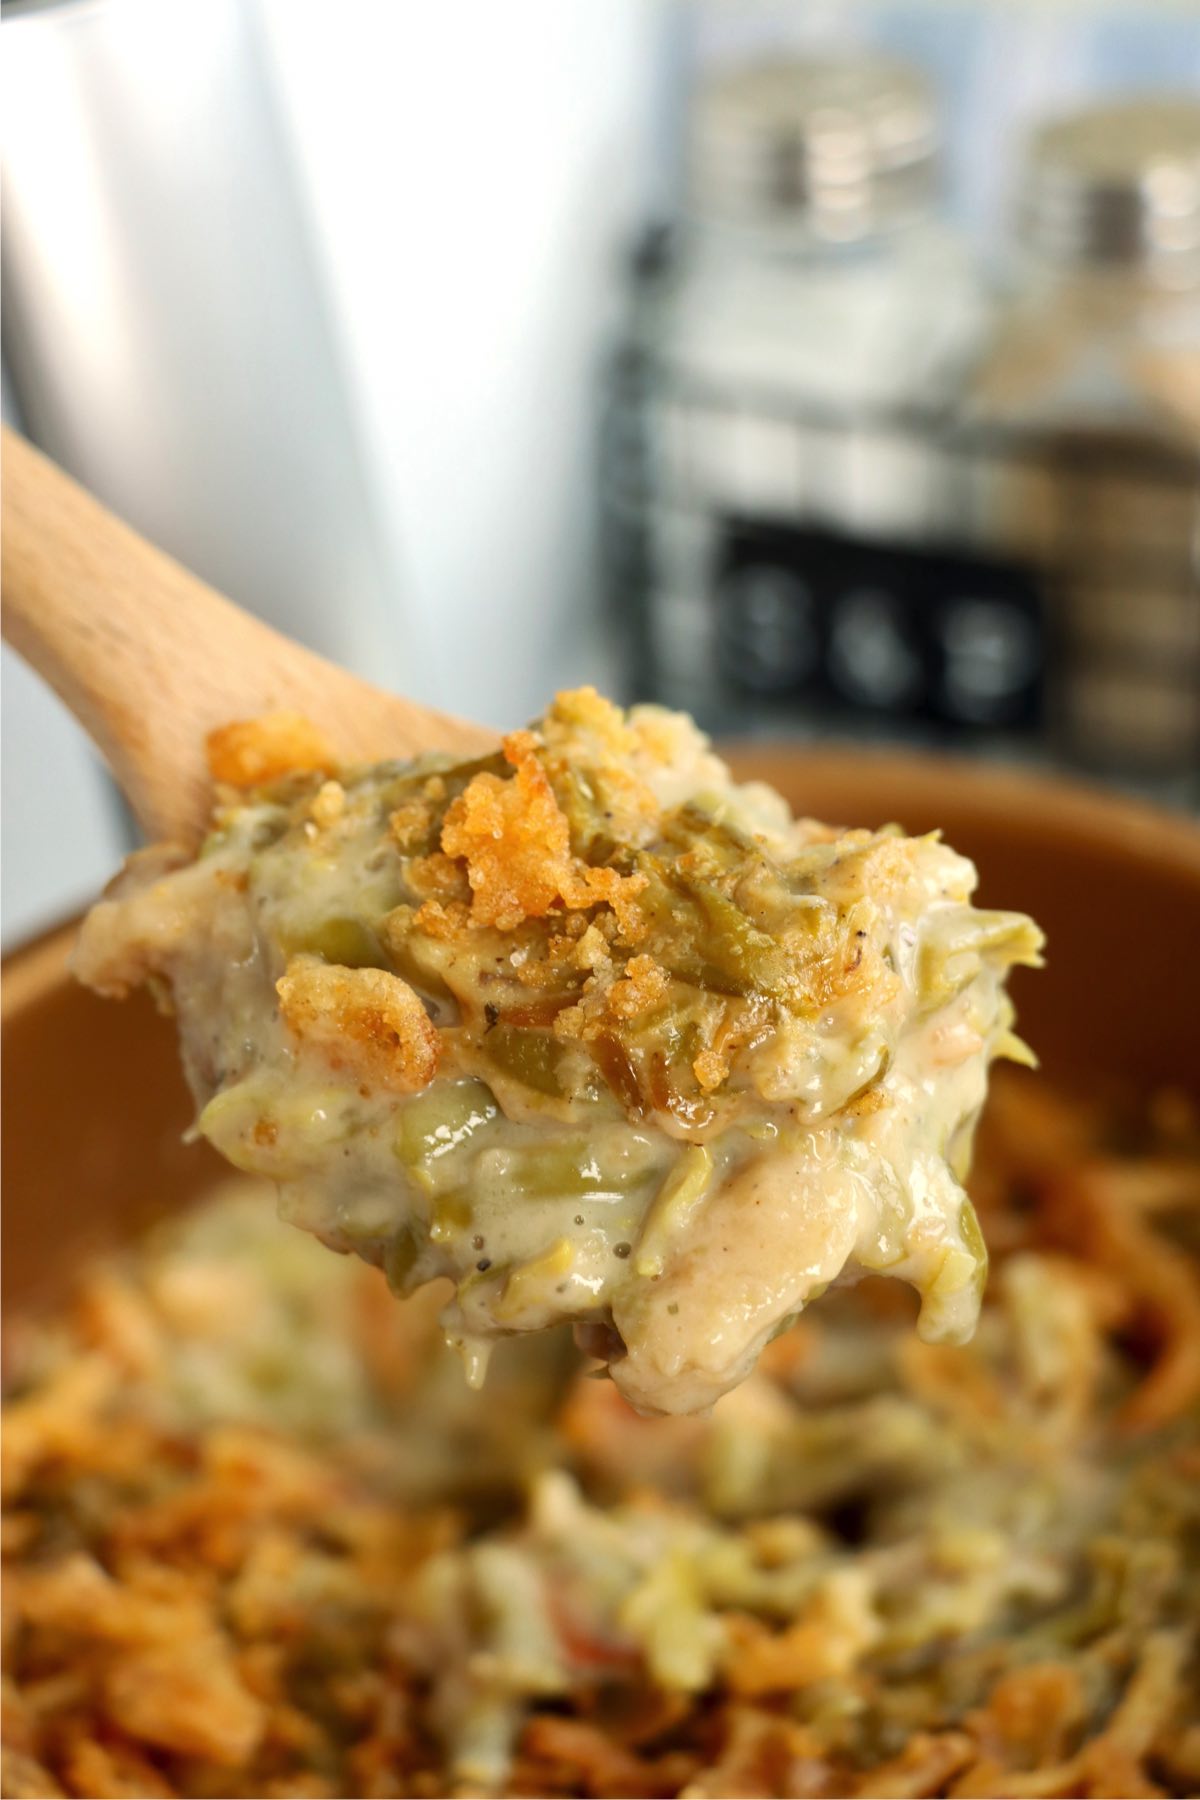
[828,147]
[1117,185]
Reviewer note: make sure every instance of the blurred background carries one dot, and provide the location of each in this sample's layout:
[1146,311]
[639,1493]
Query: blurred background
[827,369]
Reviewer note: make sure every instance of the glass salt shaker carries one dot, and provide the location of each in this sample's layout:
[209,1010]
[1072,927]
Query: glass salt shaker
[772,447]
[1089,398]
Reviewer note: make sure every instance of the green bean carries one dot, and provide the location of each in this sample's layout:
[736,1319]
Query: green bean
[970,1231]
[708,941]
[569,1170]
[399,1260]
[416,957]
[738,958]
[452,1216]
[951,958]
[673,1206]
[438,1121]
[339,938]
[529,1056]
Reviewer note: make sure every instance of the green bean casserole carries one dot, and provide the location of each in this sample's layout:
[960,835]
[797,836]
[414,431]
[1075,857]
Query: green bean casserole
[588,1029]
[261,1539]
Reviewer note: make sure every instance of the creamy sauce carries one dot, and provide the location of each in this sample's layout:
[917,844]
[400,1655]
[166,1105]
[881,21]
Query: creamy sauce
[593,1032]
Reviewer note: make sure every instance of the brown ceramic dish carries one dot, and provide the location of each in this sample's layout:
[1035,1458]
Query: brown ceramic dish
[94,1104]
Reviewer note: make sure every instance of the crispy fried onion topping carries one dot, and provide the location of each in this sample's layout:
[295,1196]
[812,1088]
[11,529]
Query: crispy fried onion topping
[516,843]
[251,751]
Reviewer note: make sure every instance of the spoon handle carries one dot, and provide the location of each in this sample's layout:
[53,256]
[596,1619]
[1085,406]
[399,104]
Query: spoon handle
[150,660]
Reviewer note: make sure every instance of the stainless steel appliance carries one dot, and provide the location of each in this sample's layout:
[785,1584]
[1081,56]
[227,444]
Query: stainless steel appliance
[164,323]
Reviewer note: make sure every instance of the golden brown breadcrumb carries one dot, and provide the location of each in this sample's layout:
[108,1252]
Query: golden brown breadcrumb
[251,751]
[643,985]
[366,1020]
[515,841]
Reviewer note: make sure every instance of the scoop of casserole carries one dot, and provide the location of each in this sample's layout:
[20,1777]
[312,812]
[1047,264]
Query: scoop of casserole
[585,1027]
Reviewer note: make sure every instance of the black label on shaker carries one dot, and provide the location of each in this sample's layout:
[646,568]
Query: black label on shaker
[879,628]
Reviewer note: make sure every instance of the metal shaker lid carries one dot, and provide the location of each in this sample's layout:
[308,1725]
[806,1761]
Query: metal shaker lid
[828,147]
[1117,185]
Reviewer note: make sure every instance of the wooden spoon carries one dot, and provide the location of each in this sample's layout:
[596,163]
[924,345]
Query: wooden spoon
[150,659]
